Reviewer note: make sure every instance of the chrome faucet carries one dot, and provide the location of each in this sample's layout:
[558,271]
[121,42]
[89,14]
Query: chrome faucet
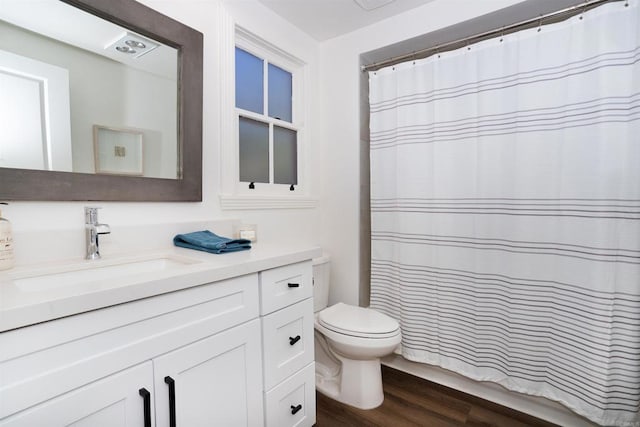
[92,230]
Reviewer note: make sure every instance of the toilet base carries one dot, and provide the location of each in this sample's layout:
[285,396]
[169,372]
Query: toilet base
[359,383]
[327,385]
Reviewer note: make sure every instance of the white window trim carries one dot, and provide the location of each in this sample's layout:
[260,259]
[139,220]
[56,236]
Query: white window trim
[236,195]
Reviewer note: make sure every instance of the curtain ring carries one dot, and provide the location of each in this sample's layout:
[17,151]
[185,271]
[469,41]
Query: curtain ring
[502,35]
[583,9]
[540,24]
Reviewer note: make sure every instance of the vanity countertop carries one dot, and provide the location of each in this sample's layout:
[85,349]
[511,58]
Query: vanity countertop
[21,307]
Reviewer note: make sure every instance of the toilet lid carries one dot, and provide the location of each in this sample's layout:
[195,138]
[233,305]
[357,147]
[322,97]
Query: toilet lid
[358,321]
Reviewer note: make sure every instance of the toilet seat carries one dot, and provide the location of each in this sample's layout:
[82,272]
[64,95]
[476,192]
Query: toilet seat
[358,322]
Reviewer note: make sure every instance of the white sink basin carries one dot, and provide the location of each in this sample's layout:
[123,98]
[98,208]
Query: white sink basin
[94,271]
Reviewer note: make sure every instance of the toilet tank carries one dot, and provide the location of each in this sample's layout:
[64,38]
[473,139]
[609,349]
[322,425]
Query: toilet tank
[321,274]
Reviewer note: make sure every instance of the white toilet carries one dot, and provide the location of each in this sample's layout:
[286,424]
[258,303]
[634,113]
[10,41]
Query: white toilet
[349,342]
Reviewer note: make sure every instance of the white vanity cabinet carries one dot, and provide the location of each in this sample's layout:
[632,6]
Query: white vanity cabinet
[193,354]
[286,309]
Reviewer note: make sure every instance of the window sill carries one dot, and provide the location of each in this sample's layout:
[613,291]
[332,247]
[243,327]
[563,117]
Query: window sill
[233,202]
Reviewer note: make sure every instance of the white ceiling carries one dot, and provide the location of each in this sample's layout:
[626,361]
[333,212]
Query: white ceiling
[70,25]
[325,19]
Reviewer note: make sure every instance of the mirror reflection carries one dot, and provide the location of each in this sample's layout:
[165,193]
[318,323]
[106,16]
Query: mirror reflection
[81,94]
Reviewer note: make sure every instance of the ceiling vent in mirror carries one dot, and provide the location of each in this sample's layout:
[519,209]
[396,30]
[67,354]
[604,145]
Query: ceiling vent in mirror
[132,44]
[372,4]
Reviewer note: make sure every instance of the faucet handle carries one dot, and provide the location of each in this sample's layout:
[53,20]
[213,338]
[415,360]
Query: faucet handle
[91,214]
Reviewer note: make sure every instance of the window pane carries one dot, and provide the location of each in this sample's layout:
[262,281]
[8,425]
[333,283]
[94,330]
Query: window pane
[285,156]
[254,151]
[280,90]
[249,82]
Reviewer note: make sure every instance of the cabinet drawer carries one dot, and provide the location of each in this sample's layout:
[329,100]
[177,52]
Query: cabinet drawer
[283,286]
[293,403]
[287,341]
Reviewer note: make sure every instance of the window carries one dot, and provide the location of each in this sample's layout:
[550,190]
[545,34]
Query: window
[265,122]
[268,127]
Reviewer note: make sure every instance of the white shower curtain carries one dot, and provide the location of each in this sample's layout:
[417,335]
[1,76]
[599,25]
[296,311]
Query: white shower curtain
[505,203]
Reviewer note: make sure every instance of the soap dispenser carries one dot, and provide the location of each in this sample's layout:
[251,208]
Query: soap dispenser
[7,259]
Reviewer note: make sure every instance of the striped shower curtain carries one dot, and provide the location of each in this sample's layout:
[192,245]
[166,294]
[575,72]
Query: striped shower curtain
[505,203]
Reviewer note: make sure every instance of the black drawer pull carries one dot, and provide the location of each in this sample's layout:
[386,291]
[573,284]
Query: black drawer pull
[293,285]
[295,409]
[293,340]
[172,400]
[147,406]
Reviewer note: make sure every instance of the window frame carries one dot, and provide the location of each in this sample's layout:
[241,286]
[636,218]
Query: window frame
[270,54]
[232,195]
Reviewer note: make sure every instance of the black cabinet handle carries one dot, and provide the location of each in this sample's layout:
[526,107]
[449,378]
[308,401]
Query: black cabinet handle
[146,396]
[293,285]
[172,400]
[293,340]
[295,409]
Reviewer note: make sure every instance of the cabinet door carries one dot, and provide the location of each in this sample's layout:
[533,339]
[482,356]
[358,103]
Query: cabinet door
[114,401]
[217,381]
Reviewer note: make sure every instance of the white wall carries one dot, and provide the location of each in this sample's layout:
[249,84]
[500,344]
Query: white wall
[296,225]
[340,121]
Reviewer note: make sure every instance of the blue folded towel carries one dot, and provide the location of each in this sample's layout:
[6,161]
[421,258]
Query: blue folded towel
[208,242]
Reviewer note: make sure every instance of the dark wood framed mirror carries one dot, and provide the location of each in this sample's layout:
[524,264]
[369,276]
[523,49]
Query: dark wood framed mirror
[51,185]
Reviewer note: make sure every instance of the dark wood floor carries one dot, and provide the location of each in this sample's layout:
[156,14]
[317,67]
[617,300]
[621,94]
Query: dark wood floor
[412,401]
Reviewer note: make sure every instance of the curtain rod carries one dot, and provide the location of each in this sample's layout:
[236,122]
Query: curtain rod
[422,53]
